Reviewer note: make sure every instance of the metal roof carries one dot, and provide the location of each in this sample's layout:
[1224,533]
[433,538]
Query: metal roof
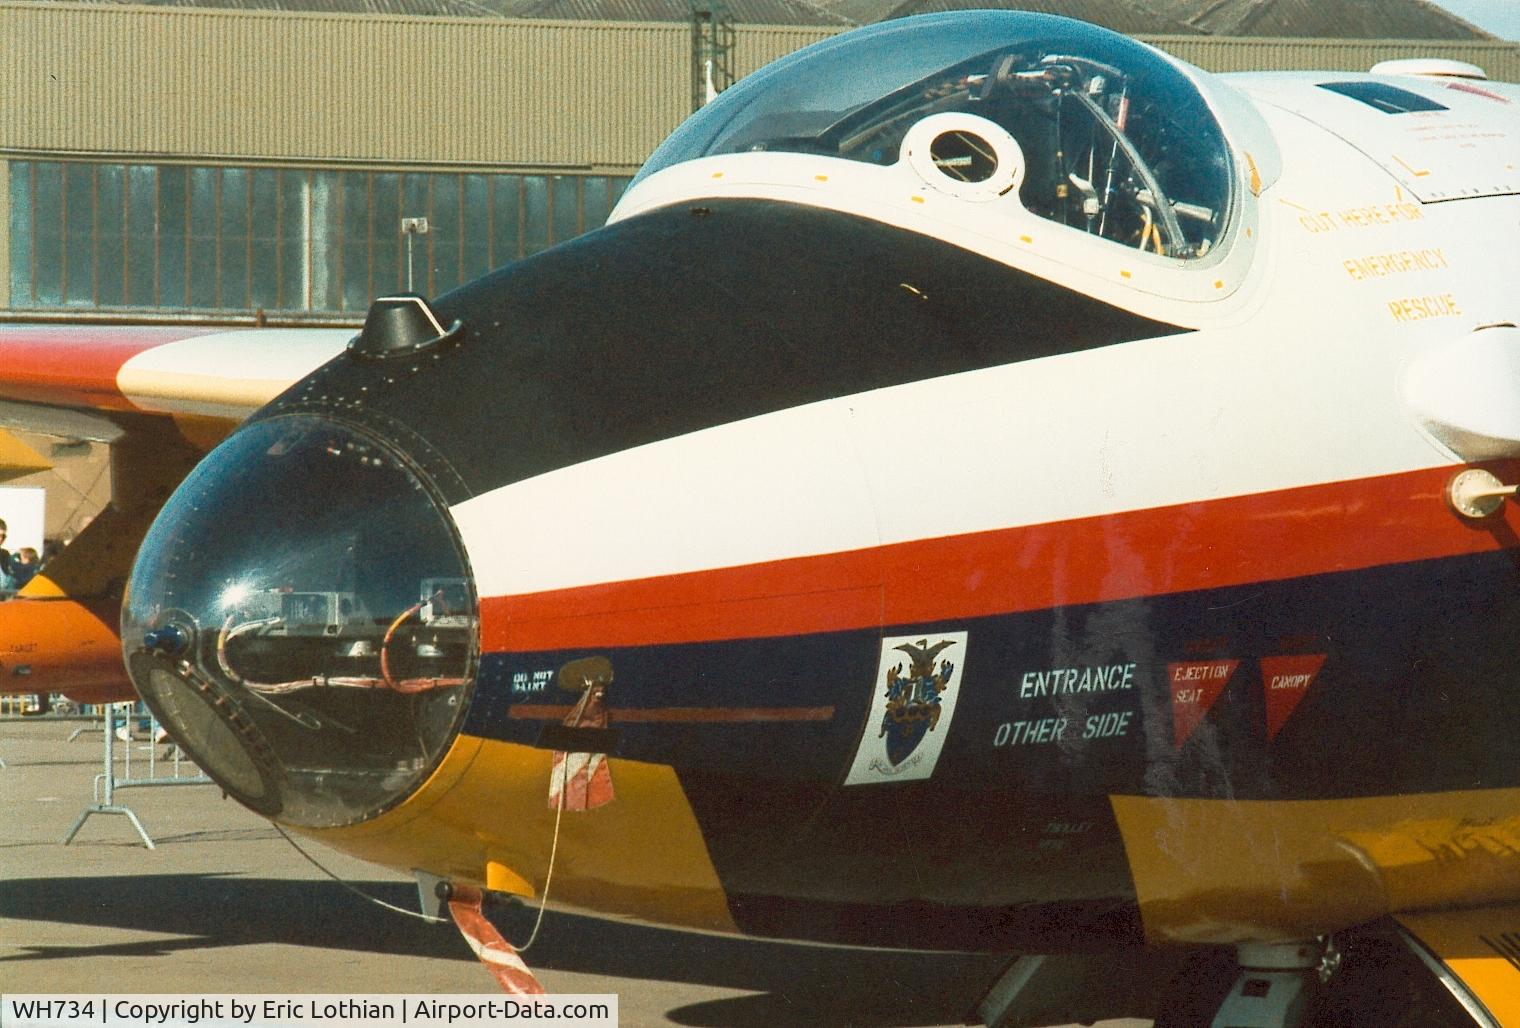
[747,12]
[1341,19]
[1326,19]
[1132,17]
[425,8]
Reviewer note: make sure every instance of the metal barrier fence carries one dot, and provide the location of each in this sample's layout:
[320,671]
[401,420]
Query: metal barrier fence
[115,775]
[16,706]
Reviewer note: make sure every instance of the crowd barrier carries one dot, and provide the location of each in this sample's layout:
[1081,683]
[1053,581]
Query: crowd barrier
[117,774]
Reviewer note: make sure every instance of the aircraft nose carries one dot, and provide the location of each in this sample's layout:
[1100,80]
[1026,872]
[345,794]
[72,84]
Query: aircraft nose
[301,618]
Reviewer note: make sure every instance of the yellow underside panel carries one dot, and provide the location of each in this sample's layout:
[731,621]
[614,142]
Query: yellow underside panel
[1482,949]
[1226,870]
[640,856]
[18,459]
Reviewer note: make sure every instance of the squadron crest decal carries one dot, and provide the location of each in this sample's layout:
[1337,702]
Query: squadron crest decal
[917,683]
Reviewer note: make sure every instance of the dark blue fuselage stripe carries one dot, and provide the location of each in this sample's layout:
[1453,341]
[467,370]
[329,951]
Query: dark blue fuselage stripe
[1415,674]
[1416,694]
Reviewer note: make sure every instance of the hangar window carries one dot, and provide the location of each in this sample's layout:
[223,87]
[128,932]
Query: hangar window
[241,239]
[1117,140]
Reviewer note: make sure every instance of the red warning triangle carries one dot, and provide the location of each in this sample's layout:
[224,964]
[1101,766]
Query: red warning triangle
[1195,687]
[1287,680]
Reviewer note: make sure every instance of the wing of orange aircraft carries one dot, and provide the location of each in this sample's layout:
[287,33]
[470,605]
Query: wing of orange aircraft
[990,486]
[161,397]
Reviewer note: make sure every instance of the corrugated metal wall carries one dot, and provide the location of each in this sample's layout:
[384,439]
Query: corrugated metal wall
[5,235]
[282,86]
[1500,59]
[259,85]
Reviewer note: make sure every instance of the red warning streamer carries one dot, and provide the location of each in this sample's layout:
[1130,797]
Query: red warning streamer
[582,781]
[496,953]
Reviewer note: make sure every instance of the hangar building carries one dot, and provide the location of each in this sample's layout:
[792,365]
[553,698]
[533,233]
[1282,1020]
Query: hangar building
[255,159]
[235,161]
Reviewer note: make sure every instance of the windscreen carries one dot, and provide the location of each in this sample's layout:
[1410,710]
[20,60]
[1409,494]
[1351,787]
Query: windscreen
[304,625]
[1117,140]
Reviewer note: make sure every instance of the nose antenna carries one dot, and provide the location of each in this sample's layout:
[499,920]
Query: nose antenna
[400,325]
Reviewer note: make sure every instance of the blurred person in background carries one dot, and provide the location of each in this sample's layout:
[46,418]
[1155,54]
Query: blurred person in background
[24,565]
[5,562]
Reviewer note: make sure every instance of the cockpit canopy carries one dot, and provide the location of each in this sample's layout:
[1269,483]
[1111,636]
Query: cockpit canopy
[1113,137]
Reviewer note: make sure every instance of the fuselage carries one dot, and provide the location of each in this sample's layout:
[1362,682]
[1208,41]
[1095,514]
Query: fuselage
[954,577]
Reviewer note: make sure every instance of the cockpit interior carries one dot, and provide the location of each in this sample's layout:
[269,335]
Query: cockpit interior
[1114,138]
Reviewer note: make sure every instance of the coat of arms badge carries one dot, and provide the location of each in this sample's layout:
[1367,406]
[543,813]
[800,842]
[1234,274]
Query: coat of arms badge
[915,695]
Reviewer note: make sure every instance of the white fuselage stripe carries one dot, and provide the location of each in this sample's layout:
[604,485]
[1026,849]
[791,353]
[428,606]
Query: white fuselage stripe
[1301,385]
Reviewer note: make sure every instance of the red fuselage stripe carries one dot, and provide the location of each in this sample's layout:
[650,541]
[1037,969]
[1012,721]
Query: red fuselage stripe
[1341,526]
